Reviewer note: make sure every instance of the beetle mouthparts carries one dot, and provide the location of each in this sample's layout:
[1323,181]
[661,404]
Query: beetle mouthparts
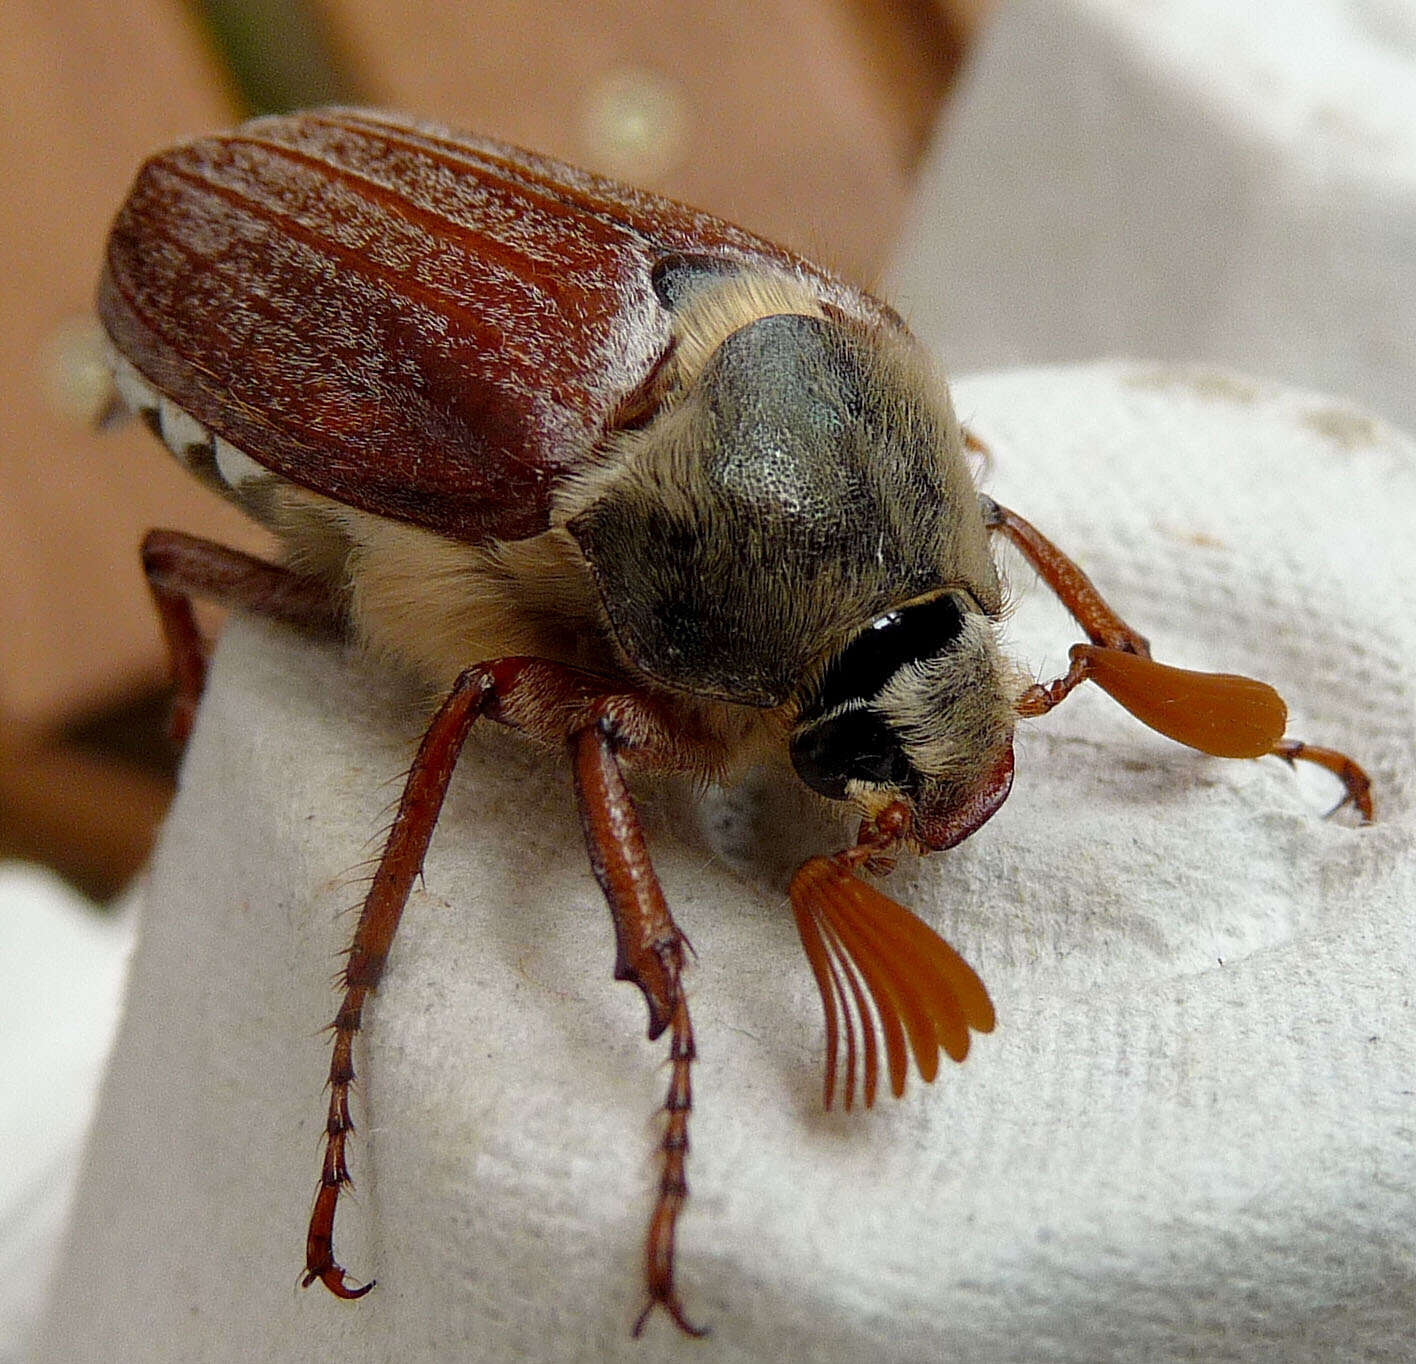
[942,827]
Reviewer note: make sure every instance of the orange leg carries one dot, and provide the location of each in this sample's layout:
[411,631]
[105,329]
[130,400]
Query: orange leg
[1355,781]
[1071,586]
[552,703]
[1220,714]
[399,865]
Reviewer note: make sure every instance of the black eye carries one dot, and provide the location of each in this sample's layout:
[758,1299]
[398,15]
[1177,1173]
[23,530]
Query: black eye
[875,655]
[854,746]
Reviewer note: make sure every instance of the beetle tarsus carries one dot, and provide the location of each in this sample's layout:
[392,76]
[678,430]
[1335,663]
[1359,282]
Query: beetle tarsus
[673,1183]
[337,1281]
[319,1242]
[674,1308]
[1357,785]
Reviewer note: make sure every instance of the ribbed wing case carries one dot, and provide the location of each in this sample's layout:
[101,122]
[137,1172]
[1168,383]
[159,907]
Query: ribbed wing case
[427,326]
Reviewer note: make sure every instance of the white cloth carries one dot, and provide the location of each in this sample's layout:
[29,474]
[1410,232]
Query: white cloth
[1190,180]
[62,966]
[1189,1138]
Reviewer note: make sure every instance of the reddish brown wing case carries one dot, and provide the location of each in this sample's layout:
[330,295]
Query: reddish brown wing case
[427,326]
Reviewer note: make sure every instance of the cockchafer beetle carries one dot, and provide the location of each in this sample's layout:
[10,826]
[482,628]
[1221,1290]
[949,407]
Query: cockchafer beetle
[636,483]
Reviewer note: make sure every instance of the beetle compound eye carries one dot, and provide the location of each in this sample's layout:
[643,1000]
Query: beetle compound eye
[897,638]
[853,743]
[854,746]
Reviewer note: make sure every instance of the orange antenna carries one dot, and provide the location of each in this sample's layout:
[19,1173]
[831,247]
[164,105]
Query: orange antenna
[922,991]
[1221,714]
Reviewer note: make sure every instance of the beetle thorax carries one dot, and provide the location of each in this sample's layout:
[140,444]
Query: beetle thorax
[807,477]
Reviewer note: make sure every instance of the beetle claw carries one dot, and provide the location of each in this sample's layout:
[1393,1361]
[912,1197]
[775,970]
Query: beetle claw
[337,1281]
[665,1297]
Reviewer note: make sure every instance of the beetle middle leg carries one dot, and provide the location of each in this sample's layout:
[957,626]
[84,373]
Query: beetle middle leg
[399,865]
[179,567]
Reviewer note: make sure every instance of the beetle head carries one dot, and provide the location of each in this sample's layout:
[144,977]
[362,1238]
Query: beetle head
[802,499]
[917,709]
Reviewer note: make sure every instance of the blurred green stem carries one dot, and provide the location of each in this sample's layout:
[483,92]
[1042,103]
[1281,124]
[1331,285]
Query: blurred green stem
[279,54]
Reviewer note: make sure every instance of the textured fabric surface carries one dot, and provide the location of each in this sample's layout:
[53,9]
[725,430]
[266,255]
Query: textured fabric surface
[1193,1134]
[1187,179]
[62,966]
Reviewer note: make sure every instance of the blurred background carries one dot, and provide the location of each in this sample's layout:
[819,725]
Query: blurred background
[801,119]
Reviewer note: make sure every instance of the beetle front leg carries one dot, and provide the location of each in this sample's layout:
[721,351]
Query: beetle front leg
[1069,584]
[1356,783]
[551,702]
[179,567]
[1217,713]
[649,952]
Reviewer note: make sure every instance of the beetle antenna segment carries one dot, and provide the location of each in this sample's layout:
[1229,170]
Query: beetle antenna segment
[840,967]
[921,990]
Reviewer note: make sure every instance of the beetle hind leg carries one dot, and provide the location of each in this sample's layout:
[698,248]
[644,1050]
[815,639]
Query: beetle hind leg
[180,567]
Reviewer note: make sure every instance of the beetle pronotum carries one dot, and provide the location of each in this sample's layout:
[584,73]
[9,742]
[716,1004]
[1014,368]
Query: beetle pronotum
[636,483]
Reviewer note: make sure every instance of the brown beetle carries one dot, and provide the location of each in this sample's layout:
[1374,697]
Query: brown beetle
[628,479]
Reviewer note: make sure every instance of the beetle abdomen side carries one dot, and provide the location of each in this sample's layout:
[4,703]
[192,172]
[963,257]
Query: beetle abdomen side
[215,461]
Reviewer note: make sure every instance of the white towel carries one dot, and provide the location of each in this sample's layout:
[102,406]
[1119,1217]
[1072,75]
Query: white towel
[1193,180]
[1190,1137]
